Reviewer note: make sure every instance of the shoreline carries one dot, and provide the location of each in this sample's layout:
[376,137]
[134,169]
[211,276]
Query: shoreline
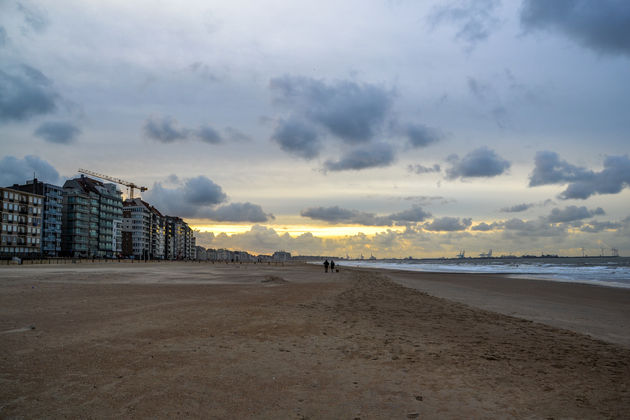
[599,311]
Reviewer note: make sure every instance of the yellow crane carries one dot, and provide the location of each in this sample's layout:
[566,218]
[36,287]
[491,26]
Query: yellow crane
[131,185]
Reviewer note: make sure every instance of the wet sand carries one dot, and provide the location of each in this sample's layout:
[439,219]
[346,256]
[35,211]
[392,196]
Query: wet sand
[256,341]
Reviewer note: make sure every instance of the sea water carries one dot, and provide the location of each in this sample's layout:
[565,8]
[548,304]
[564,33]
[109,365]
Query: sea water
[604,271]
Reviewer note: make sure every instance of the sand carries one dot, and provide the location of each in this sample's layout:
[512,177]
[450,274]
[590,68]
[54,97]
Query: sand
[256,341]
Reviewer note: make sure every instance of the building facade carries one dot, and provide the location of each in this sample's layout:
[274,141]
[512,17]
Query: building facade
[53,206]
[22,216]
[92,211]
[146,226]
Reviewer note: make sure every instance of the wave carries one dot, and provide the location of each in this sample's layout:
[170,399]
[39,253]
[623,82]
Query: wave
[604,272]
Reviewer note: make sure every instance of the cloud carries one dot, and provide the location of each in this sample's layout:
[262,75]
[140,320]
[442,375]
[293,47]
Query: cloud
[18,171]
[164,129]
[353,112]
[601,26]
[208,134]
[35,18]
[4,38]
[419,169]
[596,227]
[485,227]
[58,132]
[573,213]
[420,135]
[167,130]
[238,212]
[532,228]
[188,198]
[372,156]
[24,93]
[474,18]
[234,134]
[517,208]
[481,162]
[447,224]
[336,214]
[582,182]
[297,138]
[200,197]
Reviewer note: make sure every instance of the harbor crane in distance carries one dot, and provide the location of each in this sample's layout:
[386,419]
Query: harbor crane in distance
[128,184]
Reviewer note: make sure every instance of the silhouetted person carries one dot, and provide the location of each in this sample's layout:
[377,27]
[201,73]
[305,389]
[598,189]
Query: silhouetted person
[332,266]
[326,264]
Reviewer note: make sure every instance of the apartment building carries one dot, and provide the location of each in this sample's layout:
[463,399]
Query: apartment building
[22,215]
[92,213]
[53,206]
[146,227]
[179,242]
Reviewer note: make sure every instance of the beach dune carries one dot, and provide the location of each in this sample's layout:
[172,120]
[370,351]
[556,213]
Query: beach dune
[266,341]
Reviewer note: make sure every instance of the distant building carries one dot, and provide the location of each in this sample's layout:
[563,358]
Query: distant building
[53,205]
[92,213]
[22,216]
[201,253]
[281,256]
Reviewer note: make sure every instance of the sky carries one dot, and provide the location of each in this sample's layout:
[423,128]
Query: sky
[389,128]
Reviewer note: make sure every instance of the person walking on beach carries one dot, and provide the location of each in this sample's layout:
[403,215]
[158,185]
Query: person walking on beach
[326,266]
[332,266]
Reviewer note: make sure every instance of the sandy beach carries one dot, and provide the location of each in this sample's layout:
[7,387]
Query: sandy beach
[173,340]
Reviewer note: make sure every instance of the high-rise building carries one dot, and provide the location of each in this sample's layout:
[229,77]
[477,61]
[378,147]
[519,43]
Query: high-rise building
[179,242]
[146,225]
[53,204]
[22,215]
[92,213]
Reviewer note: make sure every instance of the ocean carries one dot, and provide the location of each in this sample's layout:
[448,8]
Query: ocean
[603,271]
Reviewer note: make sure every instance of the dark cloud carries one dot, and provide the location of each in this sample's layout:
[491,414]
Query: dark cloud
[413,215]
[447,224]
[353,112]
[474,18]
[549,169]
[24,93]
[419,169]
[58,132]
[372,156]
[202,191]
[337,215]
[164,129]
[297,137]
[485,227]
[573,213]
[481,162]
[596,227]
[532,228]
[238,212]
[188,198]
[421,136]
[208,134]
[602,26]
[517,208]
[18,171]
[582,182]
[200,197]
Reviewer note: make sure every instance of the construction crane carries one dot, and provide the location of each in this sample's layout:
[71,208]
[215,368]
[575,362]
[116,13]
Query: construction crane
[131,185]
